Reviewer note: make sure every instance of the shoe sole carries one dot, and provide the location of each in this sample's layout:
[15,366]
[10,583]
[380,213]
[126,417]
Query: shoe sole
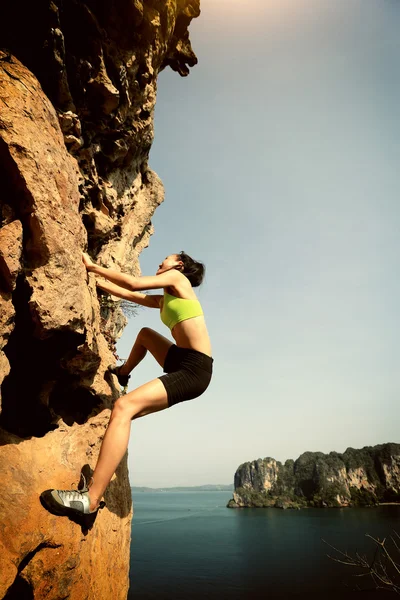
[54,507]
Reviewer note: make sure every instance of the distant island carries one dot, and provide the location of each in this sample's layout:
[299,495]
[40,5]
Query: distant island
[365,477]
[196,488]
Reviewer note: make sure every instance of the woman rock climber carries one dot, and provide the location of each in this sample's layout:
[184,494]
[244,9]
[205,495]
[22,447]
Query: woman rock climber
[187,364]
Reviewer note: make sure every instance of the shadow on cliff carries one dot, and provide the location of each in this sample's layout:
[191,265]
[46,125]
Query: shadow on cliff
[38,390]
[115,499]
[20,590]
[40,387]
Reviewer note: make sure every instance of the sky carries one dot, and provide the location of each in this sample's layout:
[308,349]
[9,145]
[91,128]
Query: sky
[279,157]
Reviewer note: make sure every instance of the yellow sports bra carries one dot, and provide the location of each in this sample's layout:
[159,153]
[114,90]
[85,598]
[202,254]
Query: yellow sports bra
[175,310]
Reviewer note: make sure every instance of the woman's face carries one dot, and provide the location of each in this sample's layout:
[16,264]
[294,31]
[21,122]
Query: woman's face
[170,262]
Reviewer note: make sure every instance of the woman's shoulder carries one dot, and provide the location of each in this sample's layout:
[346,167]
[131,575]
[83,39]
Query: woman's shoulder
[182,288]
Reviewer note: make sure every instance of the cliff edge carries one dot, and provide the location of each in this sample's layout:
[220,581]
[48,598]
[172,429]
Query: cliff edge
[78,84]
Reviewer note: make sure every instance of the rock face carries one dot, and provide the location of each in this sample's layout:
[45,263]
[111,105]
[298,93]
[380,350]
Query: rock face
[77,95]
[356,477]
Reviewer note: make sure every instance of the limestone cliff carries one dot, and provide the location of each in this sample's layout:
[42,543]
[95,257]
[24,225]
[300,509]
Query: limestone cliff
[78,87]
[356,477]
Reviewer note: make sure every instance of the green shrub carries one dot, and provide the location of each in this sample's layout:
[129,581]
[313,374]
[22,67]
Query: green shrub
[362,497]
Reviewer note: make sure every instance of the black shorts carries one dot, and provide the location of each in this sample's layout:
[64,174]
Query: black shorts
[188,374]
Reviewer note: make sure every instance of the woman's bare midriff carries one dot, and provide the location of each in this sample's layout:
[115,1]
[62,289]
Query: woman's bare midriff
[193,334]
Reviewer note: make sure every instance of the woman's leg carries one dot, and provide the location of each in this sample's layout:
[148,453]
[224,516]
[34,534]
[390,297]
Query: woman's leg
[146,399]
[147,339]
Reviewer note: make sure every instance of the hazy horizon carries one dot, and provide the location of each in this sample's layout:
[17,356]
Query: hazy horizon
[279,156]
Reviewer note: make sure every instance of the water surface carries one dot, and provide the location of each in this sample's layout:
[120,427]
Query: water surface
[188,545]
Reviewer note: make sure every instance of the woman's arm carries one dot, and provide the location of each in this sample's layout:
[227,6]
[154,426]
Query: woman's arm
[167,279]
[137,297]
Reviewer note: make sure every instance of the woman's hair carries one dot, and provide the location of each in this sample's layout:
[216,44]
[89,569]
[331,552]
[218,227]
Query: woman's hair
[192,269]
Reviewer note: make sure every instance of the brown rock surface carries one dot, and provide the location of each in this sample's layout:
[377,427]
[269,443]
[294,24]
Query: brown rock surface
[77,94]
[10,265]
[55,557]
[10,253]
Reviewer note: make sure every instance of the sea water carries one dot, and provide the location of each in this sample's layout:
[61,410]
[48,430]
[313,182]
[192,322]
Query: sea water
[189,546]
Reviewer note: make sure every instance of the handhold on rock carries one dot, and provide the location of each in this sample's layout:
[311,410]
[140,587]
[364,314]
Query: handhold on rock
[10,253]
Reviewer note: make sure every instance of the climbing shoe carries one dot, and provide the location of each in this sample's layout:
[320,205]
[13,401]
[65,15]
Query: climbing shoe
[69,502]
[122,379]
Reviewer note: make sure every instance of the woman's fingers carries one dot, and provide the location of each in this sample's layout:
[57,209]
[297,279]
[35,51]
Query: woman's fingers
[87,261]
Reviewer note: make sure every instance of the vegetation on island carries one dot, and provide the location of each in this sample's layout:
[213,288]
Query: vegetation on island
[364,477]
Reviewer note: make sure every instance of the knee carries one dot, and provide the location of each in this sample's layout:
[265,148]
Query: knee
[145,333]
[124,409]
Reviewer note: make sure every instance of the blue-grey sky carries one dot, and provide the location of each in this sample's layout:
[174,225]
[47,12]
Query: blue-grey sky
[279,155]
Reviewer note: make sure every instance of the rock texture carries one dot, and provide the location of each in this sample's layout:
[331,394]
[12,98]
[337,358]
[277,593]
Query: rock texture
[44,556]
[77,93]
[356,477]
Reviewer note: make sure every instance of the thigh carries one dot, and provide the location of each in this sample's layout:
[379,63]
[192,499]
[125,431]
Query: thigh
[185,385]
[156,343]
[148,398]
